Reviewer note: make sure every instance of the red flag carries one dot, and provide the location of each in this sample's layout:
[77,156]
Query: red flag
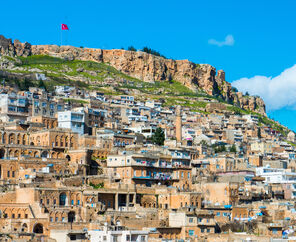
[65,27]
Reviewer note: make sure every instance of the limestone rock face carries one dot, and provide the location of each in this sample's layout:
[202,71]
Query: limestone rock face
[22,49]
[6,46]
[146,67]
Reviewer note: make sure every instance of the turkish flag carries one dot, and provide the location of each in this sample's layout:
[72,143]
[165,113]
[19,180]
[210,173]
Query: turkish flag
[65,27]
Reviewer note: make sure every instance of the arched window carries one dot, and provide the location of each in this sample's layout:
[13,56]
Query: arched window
[57,140]
[24,139]
[63,199]
[4,138]
[18,139]
[11,138]
[66,141]
[62,140]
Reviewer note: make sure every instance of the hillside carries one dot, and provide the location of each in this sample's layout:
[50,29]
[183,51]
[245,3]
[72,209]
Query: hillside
[116,72]
[144,71]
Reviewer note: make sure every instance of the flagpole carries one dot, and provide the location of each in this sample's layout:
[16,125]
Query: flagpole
[61,35]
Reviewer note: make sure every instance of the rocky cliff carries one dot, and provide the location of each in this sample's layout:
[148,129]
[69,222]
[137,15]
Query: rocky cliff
[146,67]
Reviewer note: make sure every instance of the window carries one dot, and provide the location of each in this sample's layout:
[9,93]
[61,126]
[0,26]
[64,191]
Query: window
[47,201]
[188,175]
[13,216]
[19,215]
[12,173]
[143,238]
[50,219]
[225,214]
[208,230]
[72,202]
[191,232]
[218,214]
[190,220]
[78,202]
[54,201]
[8,173]
[56,219]
[182,174]
[63,219]
[128,237]
[202,230]
[26,215]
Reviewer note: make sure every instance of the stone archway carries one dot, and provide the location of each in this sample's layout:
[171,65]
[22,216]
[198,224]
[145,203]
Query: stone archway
[38,229]
[44,154]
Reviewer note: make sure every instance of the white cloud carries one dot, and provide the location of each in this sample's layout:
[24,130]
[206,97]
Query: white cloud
[228,41]
[277,92]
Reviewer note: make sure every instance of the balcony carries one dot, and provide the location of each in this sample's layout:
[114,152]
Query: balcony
[156,177]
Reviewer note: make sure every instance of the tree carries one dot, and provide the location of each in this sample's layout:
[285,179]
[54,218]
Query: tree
[41,84]
[151,51]
[158,137]
[219,148]
[247,94]
[259,133]
[204,143]
[131,48]
[233,148]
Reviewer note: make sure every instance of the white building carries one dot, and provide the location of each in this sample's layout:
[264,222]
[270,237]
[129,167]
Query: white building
[13,107]
[71,120]
[146,131]
[278,176]
[118,235]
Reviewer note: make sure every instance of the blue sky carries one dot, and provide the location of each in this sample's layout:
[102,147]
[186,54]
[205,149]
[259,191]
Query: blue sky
[263,35]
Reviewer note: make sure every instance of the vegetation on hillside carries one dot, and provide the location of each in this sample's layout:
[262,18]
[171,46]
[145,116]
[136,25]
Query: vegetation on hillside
[92,76]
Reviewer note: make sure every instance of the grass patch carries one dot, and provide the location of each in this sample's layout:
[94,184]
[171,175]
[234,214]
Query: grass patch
[40,59]
[75,100]
[97,186]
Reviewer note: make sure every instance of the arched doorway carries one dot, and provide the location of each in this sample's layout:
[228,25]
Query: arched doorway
[44,154]
[68,157]
[38,229]
[11,138]
[71,217]
[63,199]
[2,153]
